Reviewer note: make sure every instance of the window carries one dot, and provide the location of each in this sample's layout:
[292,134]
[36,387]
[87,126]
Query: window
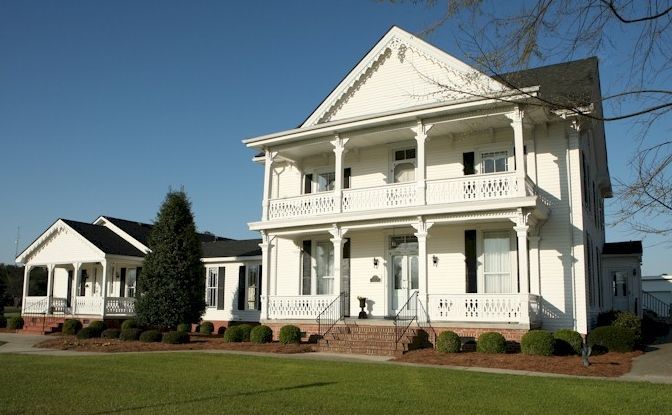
[326,181]
[620,284]
[131,277]
[494,162]
[325,267]
[252,284]
[211,288]
[497,262]
[404,165]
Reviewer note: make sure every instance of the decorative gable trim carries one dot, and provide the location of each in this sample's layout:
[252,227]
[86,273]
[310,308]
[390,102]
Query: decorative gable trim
[57,228]
[103,221]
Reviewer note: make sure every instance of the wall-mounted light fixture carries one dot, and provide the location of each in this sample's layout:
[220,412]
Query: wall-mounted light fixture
[435,260]
[634,272]
[375,262]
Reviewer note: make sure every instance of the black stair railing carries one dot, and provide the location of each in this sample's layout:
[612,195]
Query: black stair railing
[405,317]
[332,314]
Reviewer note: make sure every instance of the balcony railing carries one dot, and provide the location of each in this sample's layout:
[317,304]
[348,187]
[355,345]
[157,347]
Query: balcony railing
[487,308]
[494,186]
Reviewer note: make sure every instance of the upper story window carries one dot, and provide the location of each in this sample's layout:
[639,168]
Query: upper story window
[495,162]
[404,165]
[326,181]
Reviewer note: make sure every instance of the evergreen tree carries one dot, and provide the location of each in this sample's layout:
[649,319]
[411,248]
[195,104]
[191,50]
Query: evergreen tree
[172,285]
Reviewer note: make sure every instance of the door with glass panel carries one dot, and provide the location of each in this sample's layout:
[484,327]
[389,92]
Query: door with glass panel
[497,263]
[324,267]
[403,270]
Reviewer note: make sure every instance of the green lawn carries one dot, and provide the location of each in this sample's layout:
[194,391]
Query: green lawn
[12,311]
[197,383]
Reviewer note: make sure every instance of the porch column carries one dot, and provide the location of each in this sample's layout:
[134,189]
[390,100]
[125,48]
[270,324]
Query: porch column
[269,156]
[339,149]
[26,285]
[421,131]
[516,118]
[337,240]
[265,246]
[523,275]
[535,283]
[50,286]
[77,271]
[422,234]
[104,287]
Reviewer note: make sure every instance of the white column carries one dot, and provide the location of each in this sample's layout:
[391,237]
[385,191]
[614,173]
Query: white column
[77,271]
[523,275]
[265,246]
[50,286]
[339,149]
[268,178]
[104,287]
[516,118]
[26,285]
[337,240]
[421,131]
[422,233]
[535,281]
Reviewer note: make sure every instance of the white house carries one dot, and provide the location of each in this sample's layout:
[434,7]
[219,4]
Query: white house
[438,193]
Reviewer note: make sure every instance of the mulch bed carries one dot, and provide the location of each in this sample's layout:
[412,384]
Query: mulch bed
[607,365]
[61,342]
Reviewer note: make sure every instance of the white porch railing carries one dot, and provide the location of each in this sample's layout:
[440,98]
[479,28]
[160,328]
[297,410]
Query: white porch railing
[36,305]
[371,198]
[473,188]
[88,305]
[297,306]
[304,205]
[119,305]
[491,308]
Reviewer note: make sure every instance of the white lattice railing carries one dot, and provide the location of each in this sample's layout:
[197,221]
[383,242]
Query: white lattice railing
[120,305]
[36,305]
[297,306]
[492,308]
[304,205]
[88,305]
[472,188]
[371,198]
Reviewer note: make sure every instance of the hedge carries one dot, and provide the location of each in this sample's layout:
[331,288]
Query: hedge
[15,323]
[567,342]
[130,334]
[71,326]
[448,342]
[175,337]
[185,327]
[89,333]
[290,334]
[151,336]
[110,334]
[491,342]
[234,334]
[131,323]
[206,327]
[261,334]
[612,338]
[537,343]
[630,321]
[98,325]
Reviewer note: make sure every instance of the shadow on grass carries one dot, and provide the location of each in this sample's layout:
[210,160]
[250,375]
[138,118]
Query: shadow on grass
[215,397]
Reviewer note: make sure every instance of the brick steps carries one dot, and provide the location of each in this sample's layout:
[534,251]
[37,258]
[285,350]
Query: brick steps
[35,325]
[367,340]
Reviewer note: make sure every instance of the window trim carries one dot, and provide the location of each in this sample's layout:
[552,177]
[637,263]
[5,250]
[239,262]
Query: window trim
[479,152]
[208,287]
[393,162]
[480,258]
[249,268]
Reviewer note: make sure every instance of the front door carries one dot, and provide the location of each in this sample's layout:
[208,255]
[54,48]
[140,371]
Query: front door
[404,270]
[620,290]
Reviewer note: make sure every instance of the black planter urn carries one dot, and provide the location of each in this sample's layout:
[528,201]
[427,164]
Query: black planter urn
[362,305]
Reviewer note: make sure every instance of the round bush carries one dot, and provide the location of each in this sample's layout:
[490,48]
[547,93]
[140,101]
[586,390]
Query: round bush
[630,321]
[567,342]
[491,342]
[151,336]
[261,334]
[89,333]
[185,327]
[130,334]
[233,334]
[131,323]
[110,334]
[537,343]
[246,330]
[71,326]
[15,323]
[97,325]
[612,338]
[290,334]
[206,327]
[448,342]
[175,337]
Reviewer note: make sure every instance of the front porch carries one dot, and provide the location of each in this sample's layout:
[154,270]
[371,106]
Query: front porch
[82,306]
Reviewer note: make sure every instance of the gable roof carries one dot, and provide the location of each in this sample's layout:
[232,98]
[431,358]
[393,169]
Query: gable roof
[231,248]
[140,231]
[622,248]
[104,239]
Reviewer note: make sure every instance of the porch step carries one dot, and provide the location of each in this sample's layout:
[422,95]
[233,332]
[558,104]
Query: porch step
[42,325]
[368,340]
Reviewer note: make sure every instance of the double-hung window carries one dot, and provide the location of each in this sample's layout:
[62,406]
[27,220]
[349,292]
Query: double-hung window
[131,277]
[211,288]
[326,181]
[403,165]
[252,284]
[497,262]
[494,162]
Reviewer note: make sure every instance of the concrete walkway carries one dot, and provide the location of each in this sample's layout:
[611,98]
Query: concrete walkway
[23,344]
[654,365]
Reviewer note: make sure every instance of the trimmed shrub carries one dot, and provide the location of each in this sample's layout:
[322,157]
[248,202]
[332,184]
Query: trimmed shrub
[206,327]
[606,318]
[612,338]
[185,327]
[233,334]
[261,334]
[97,325]
[110,334]
[3,321]
[71,326]
[131,323]
[537,343]
[151,336]
[89,333]
[15,323]
[290,334]
[246,330]
[130,334]
[567,342]
[630,321]
[491,342]
[175,337]
[448,342]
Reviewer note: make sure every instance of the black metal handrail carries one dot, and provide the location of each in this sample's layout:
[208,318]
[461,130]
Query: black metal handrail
[655,304]
[426,323]
[332,314]
[405,317]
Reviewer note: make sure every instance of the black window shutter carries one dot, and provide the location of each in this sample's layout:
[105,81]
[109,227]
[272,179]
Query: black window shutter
[241,287]
[346,249]
[307,183]
[468,163]
[82,282]
[220,288]
[257,301]
[470,260]
[122,282]
[347,173]
[306,269]
[69,294]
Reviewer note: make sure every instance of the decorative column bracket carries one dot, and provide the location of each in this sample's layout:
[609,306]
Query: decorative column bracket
[421,130]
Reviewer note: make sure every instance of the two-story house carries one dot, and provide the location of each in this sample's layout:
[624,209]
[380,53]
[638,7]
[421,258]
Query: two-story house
[434,191]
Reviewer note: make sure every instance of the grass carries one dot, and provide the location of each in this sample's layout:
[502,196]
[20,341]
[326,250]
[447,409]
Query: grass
[163,383]
[12,311]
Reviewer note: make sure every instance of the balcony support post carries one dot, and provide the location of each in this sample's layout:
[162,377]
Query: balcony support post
[521,229]
[26,285]
[421,130]
[265,276]
[50,287]
[337,239]
[77,270]
[422,233]
[339,150]
[269,157]
[518,125]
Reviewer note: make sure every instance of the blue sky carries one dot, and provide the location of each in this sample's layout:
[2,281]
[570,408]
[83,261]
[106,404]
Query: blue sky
[106,105]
